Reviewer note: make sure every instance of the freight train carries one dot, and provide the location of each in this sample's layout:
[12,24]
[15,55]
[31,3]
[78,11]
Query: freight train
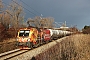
[34,37]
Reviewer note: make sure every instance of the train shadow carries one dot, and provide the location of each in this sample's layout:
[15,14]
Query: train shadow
[33,58]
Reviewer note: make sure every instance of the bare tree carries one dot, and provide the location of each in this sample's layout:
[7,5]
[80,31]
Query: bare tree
[34,22]
[1,11]
[30,22]
[4,17]
[41,22]
[37,21]
[16,13]
[1,6]
[48,22]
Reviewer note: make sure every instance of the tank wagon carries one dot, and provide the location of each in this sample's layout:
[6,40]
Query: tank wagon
[33,37]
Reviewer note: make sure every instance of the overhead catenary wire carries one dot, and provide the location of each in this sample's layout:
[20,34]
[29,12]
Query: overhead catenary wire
[10,6]
[30,7]
[24,8]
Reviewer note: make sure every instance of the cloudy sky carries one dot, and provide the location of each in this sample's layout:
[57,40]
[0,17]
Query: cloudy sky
[74,12]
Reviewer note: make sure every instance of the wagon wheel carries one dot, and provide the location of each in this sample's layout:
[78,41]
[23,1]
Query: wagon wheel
[42,40]
[47,41]
[50,39]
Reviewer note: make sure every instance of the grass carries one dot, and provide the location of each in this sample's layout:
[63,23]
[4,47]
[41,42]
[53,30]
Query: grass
[7,45]
[76,47]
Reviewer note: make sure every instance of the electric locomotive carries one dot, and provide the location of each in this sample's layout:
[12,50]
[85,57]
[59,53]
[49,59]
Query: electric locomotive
[32,37]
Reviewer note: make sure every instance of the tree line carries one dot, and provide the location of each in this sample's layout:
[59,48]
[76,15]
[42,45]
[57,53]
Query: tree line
[12,16]
[86,29]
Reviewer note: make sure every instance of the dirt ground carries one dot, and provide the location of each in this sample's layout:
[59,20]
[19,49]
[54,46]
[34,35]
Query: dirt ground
[7,45]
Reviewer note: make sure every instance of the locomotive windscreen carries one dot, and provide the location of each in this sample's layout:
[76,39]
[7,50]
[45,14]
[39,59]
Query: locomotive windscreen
[24,33]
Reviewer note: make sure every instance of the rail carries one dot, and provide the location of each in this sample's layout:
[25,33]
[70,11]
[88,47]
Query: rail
[11,54]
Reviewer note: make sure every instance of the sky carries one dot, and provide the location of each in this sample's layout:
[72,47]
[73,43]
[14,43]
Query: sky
[74,12]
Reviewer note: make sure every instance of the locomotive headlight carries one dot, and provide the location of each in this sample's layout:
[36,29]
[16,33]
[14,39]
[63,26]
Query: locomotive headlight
[28,39]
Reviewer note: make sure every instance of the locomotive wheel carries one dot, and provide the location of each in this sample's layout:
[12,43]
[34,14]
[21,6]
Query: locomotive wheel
[36,45]
[50,39]
[29,44]
[42,40]
[17,43]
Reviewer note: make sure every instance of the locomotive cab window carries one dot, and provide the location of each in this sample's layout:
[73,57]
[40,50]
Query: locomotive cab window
[21,33]
[24,33]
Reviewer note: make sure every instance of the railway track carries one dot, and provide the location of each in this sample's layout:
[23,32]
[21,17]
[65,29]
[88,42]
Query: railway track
[11,54]
[23,54]
[14,53]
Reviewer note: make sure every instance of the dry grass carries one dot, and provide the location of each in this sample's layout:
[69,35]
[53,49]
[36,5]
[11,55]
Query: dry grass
[7,45]
[76,47]
[82,45]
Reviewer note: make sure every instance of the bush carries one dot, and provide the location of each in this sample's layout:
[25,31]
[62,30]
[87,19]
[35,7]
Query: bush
[86,31]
